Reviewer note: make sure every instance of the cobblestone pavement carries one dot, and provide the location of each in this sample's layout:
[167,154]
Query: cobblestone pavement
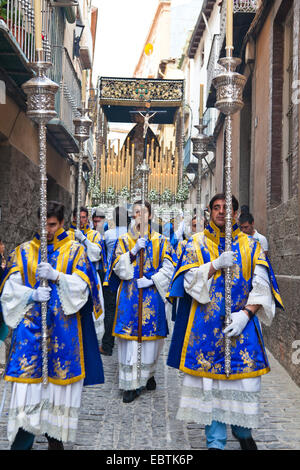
[149,423]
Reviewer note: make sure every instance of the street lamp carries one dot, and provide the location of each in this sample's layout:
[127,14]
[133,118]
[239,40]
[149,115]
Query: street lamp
[76,38]
[200,144]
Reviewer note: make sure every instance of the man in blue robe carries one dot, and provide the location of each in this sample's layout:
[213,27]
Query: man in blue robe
[208,396]
[93,243]
[73,355]
[124,275]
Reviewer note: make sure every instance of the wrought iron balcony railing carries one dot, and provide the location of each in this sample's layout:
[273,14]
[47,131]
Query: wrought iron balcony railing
[245,6]
[68,97]
[18,15]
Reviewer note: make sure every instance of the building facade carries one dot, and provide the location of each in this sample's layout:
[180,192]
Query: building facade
[69,52]
[265,165]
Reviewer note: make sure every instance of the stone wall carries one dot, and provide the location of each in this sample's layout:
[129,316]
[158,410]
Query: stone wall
[276,213]
[19,196]
[284,241]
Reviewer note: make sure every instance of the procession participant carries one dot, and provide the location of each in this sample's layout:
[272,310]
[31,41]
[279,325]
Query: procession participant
[92,240]
[98,219]
[73,355]
[121,221]
[93,243]
[246,224]
[124,274]
[208,396]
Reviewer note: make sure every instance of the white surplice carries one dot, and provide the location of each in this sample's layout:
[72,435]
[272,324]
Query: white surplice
[150,349]
[40,409]
[204,400]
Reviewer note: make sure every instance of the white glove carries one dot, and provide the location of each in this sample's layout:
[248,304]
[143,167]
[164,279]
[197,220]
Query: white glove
[239,321]
[41,294]
[141,243]
[224,261]
[144,282]
[79,235]
[45,271]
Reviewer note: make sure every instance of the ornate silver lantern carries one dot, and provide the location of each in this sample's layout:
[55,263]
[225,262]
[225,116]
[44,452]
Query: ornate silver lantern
[229,90]
[200,145]
[40,92]
[81,133]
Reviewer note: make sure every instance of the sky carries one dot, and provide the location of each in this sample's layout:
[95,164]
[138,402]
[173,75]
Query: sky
[122,29]
[123,26]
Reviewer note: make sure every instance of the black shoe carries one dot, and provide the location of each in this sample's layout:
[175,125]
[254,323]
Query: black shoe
[246,444]
[151,384]
[54,444]
[130,395]
[105,353]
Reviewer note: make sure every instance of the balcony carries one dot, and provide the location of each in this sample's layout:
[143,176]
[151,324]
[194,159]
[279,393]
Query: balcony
[67,100]
[17,42]
[17,51]
[86,49]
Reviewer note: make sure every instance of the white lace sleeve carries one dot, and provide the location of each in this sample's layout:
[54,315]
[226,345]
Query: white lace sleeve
[197,284]
[73,292]
[261,294]
[124,268]
[14,300]
[93,251]
[163,277]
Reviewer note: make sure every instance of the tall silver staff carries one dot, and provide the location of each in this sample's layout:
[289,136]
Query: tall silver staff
[82,126]
[200,144]
[144,170]
[40,92]
[229,90]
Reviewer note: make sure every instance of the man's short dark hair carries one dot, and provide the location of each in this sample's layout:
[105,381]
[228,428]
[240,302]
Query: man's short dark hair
[55,209]
[147,205]
[246,217]
[82,209]
[235,203]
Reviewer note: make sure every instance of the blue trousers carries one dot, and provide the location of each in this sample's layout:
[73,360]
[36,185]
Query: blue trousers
[216,434]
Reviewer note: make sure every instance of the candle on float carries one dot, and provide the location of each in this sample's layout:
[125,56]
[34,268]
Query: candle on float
[201,101]
[229,24]
[132,160]
[127,179]
[38,25]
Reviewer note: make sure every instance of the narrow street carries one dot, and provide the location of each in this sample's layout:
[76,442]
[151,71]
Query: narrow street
[149,423]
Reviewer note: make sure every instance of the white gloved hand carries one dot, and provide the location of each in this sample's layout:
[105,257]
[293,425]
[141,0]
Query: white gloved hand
[239,321]
[141,243]
[144,282]
[41,294]
[225,260]
[45,271]
[79,235]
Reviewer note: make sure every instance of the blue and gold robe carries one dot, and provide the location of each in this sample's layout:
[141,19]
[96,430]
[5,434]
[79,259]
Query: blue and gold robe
[94,237]
[154,323]
[73,352]
[197,346]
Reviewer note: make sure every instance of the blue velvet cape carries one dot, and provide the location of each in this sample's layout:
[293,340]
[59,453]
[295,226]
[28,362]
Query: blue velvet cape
[197,345]
[154,323]
[73,352]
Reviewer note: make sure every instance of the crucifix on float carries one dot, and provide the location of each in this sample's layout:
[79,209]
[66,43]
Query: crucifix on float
[147,118]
